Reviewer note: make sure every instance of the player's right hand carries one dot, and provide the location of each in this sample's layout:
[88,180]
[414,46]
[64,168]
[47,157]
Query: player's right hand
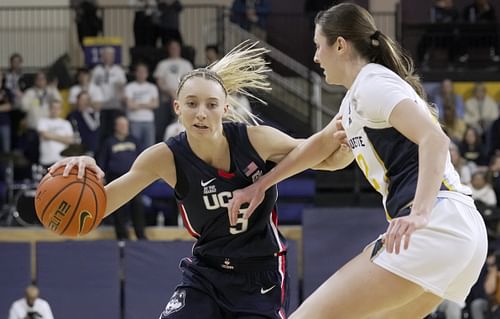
[82,162]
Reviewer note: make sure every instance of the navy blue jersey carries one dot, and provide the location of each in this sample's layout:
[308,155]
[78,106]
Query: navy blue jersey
[203,193]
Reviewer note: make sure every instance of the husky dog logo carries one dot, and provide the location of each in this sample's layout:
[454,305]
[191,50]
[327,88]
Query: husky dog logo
[176,303]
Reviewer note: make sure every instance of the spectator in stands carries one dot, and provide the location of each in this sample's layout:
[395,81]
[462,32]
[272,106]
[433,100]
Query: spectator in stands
[88,23]
[482,191]
[31,306]
[454,126]
[442,12]
[472,148]
[117,155]
[167,74]
[463,168]
[168,24]
[446,92]
[6,99]
[14,78]
[141,99]
[481,109]
[56,134]
[211,54]
[145,23]
[386,121]
[111,79]
[87,120]
[83,83]
[494,176]
[251,15]
[36,100]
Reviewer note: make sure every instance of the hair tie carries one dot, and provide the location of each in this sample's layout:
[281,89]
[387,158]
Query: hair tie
[374,38]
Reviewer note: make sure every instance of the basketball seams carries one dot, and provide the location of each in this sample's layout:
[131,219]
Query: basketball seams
[96,206]
[76,206]
[54,197]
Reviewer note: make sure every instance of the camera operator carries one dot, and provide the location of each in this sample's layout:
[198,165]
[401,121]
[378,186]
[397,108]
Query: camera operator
[31,306]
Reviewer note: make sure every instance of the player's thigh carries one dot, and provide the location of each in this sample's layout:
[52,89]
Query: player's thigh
[415,309]
[359,289]
[190,303]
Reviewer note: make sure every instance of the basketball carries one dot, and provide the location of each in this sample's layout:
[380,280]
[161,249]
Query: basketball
[70,206]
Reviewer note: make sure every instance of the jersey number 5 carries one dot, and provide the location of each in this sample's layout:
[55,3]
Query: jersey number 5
[241,224]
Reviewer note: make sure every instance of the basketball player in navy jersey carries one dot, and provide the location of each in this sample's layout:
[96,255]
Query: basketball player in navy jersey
[239,270]
[401,149]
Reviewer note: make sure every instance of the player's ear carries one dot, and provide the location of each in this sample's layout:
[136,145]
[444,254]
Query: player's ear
[177,107]
[341,44]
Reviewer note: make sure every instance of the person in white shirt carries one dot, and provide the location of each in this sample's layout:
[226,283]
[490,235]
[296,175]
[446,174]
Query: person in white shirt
[169,71]
[55,135]
[141,99]
[111,79]
[481,110]
[84,84]
[36,100]
[167,75]
[482,191]
[31,306]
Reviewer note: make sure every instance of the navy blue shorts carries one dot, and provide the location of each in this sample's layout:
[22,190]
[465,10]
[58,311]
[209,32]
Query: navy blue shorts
[228,289]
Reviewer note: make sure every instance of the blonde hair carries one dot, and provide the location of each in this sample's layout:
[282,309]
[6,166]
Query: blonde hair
[240,70]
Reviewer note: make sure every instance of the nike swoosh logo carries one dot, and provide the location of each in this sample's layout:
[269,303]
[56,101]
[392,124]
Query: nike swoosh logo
[203,184]
[83,216]
[265,291]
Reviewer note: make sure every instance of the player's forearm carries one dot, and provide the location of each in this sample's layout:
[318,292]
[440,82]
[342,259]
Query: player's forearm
[432,155]
[308,154]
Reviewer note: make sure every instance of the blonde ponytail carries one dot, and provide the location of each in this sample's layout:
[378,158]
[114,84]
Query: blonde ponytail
[240,70]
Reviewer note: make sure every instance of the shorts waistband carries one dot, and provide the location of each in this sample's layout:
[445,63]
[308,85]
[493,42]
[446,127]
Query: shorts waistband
[252,264]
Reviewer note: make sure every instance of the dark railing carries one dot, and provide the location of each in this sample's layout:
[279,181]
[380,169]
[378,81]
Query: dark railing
[453,46]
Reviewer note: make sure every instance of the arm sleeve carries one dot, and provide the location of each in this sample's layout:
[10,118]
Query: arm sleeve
[379,94]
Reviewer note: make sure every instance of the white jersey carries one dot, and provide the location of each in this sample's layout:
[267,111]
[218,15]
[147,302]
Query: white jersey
[388,159]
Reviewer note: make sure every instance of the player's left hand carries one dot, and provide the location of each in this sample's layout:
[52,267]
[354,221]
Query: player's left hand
[400,229]
[251,194]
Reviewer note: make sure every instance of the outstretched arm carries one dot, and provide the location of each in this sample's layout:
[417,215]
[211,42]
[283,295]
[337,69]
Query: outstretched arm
[143,172]
[308,154]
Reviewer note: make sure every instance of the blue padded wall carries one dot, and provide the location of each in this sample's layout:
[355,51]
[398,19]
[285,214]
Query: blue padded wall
[332,236]
[15,273]
[151,275]
[80,279]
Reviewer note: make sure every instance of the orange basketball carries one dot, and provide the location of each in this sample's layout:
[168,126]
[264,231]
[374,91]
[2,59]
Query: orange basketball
[70,206]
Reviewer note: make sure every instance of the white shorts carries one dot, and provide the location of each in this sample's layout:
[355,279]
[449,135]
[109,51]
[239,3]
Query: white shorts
[446,256]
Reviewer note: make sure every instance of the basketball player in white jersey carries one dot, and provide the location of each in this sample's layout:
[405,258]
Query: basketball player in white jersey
[403,153]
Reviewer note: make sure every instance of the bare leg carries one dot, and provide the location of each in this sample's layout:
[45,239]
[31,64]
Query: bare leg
[362,289]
